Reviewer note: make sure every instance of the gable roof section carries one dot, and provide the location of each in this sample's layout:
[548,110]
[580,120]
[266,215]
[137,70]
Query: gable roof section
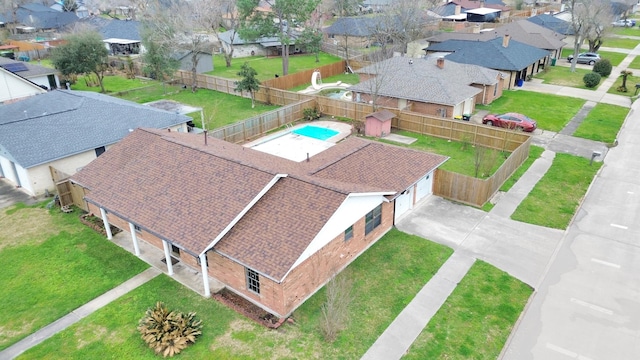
[552,23]
[14,87]
[359,26]
[529,33]
[422,80]
[61,123]
[32,69]
[42,17]
[188,193]
[515,57]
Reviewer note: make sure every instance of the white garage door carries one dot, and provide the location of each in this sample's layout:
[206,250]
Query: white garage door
[404,203]
[424,187]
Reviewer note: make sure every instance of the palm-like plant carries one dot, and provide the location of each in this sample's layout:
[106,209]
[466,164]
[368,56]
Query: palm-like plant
[168,332]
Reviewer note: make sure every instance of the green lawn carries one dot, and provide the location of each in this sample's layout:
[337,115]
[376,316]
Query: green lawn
[631,85]
[385,279]
[629,31]
[552,112]
[345,78]
[562,76]
[602,123]
[112,83]
[51,265]
[476,319]
[461,155]
[555,198]
[635,63]
[268,67]
[621,43]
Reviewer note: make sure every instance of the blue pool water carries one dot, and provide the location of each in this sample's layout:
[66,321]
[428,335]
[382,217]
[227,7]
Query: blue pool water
[316,132]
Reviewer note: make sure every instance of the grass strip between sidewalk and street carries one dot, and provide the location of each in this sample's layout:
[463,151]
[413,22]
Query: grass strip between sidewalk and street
[555,198]
[51,265]
[385,279]
[476,319]
[602,123]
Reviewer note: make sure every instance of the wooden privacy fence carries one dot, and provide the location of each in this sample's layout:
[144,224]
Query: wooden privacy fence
[68,193]
[304,77]
[259,125]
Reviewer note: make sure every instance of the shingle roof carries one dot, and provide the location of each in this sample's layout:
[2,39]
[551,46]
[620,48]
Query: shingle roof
[61,123]
[491,54]
[361,26]
[522,31]
[42,17]
[422,80]
[186,192]
[552,23]
[32,69]
[115,28]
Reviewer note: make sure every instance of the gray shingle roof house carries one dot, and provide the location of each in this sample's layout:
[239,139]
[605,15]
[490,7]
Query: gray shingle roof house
[513,58]
[552,23]
[42,17]
[122,36]
[13,87]
[432,86]
[67,130]
[272,230]
[41,75]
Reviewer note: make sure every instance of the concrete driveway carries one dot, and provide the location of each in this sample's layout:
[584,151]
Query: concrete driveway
[9,195]
[522,250]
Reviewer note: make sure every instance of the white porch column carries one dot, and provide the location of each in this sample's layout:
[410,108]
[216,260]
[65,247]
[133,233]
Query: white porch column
[107,227]
[167,255]
[205,274]
[134,237]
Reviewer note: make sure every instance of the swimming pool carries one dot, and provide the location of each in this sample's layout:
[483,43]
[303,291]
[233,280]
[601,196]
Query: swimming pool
[320,133]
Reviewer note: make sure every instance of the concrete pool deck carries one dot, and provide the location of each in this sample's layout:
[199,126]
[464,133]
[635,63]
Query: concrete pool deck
[288,145]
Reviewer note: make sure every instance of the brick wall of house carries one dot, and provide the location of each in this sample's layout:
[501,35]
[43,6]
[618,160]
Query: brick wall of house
[488,93]
[431,109]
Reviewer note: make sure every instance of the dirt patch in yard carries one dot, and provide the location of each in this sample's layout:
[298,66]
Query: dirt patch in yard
[26,226]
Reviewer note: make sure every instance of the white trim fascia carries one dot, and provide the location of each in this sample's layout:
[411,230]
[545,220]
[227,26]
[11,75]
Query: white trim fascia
[244,211]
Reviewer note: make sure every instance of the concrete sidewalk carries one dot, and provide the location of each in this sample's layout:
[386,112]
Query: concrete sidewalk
[78,314]
[398,337]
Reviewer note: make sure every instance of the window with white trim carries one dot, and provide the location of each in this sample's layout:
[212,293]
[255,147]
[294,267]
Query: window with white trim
[373,219]
[253,281]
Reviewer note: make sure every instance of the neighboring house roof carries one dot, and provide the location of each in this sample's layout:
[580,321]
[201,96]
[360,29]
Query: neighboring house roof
[359,26]
[201,189]
[181,54]
[523,31]
[552,23]
[237,40]
[42,17]
[114,28]
[25,69]
[422,80]
[491,54]
[61,123]
[449,8]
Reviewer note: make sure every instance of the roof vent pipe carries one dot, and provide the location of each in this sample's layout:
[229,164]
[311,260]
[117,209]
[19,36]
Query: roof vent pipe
[505,41]
[307,157]
[205,137]
[440,62]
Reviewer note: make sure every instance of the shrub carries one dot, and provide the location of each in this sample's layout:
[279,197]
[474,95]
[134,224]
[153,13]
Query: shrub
[603,67]
[168,332]
[591,79]
[311,113]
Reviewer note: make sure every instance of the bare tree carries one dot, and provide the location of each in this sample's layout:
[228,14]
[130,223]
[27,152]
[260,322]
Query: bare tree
[227,16]
[588,20]
[9,8]
[182,27]
[402,23]
[335,310]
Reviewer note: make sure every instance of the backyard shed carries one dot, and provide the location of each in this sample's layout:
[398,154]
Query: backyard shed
[378,123]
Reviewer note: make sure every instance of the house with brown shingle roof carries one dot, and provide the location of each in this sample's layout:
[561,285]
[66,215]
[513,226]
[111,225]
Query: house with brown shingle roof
[430,85]
[272,230]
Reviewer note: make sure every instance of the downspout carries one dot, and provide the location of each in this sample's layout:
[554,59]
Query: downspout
[205,274]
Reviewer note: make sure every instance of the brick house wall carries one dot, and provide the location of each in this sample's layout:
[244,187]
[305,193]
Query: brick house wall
[488,94]
[432,109]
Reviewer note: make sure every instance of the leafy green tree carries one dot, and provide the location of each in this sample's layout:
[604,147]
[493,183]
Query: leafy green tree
[312,40]
[279,22]
[83,53]
[249,82]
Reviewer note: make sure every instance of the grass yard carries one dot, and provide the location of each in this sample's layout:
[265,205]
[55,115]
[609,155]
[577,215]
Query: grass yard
[52,264]
[562,76]
[631,85]
[345,78]
[552,112]
[476,319]
[385,279]
[602,123]
[534,153]
[555,198]
[635,63]
[112,83]
[621,43]
[268,67]
[628,31]
[461,155]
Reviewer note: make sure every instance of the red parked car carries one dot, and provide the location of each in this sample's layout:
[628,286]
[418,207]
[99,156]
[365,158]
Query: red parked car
[511,121]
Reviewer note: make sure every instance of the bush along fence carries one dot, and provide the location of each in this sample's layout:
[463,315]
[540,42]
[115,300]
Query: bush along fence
[465,189]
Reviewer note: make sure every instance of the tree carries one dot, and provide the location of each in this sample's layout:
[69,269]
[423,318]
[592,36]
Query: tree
[69,5]
[82,54]
[312,40]
[279,22]
[227,17]
[624,74]
[249,82]
[180,27]
[157,59]
[402,23]
[589,18]
[346,7]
